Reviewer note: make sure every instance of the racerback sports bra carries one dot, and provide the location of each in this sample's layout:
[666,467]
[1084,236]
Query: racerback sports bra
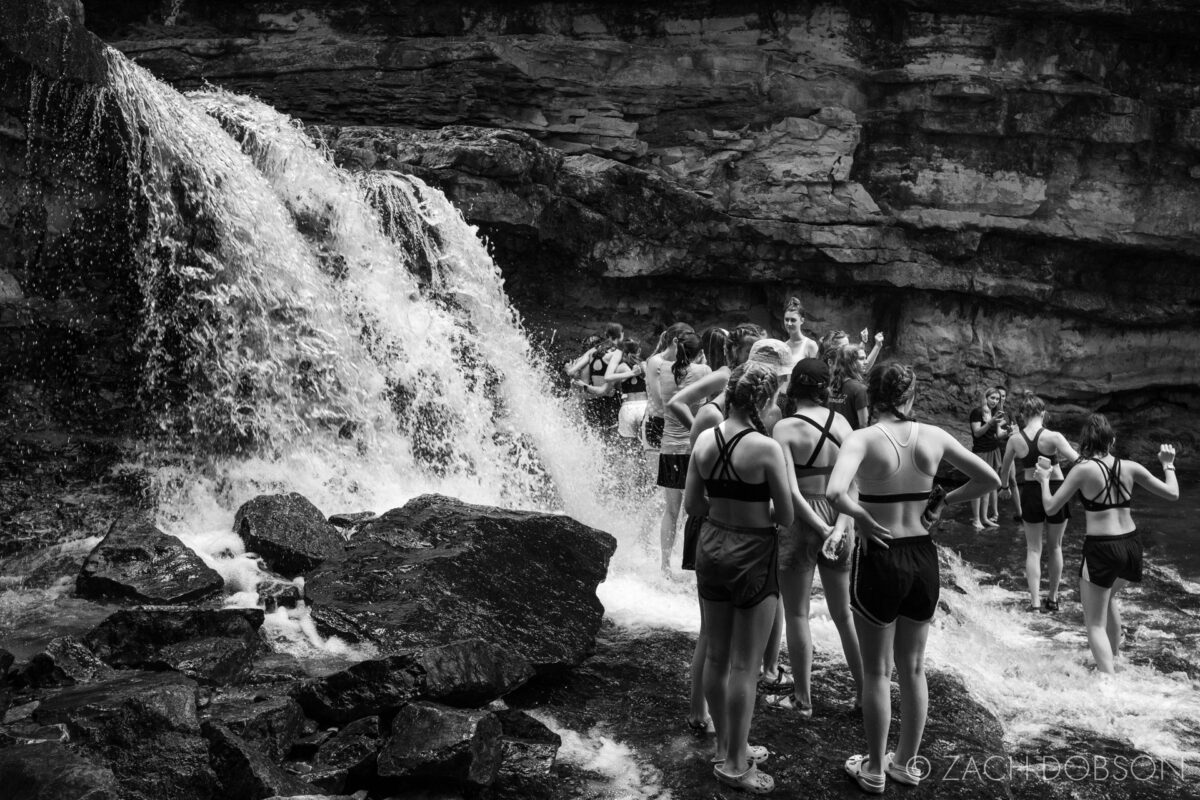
[1029,460]
[1112,488]
[807,468]
[724,482]
[892,489]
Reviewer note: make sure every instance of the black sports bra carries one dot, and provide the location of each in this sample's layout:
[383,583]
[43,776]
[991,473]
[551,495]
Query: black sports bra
[1112,488]
[807,468]
[724,481]
[1029,460]
[634,385]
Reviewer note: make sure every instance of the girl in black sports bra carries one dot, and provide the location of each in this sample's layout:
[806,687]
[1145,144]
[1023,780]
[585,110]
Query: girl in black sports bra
[1112,549]
[1034,440]
[737,481]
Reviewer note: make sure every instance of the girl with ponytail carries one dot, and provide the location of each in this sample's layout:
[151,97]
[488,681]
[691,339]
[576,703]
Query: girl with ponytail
[894,580]
[687,368]
[737,481]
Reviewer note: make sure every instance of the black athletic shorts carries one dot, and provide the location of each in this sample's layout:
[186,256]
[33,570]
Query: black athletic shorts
[672,470]
[902,581]
[691,538]
[654,432]
[1032,509]
[736,565]
[1106,558]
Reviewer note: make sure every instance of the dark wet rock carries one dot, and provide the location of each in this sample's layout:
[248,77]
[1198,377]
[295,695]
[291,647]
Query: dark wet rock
[145,728]
[275,668]
[27,733]
[305,748]
[21,711]
[52,771]
[470,673]
[6,662]
[66,661]
[216,646]
[378,686]
[439,570]
[348,757]
[137,561]
[350,522]
[270,723]
[6,696]
[288,532]
[278,594]
[528,751]
[431,740]
[245,772]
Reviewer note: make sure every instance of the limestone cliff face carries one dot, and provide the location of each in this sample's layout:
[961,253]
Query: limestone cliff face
[1009,196]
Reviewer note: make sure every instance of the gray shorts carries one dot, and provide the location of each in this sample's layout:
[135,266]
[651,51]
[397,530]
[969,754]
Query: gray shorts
[800,545]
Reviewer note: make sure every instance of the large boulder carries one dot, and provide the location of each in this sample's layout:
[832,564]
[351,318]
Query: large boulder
[139,562]
[65,661]
[439,570]
[271,723]
[288,532]
[49,771]
[214,646]
[245,772]
[145,728]
[430,740]
[377,686]
[348,756]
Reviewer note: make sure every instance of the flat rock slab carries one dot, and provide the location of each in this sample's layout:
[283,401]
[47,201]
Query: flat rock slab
[288,532]
[137,561]
[439,570]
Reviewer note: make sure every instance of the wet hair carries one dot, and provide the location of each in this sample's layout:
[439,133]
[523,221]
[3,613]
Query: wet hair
[631,352]
[845,365]
[714,341]
[670,335]
[751,386]
[890,386]
[1096,437]
[689,350]
[829,346]
[593,340]
[793,304]
[737,337]
[614,330]
[1029,405]
[800,389]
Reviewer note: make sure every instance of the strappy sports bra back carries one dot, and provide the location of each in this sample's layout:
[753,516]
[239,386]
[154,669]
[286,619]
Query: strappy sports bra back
[1029,460]
[724,482]
[1112,488]
[806,469]
[886,490]
[634,385]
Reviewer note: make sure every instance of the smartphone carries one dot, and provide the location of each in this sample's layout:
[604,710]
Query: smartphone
[1043,462]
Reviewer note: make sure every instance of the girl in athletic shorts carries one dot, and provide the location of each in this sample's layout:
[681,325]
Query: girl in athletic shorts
[737,480]
[652,425]
[1112,549]
[1031,441]
[894,566]
[687,368]
[820,539]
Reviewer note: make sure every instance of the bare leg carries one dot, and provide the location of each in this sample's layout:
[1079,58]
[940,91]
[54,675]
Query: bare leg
[1033,562]
[697,708]
[914,692]
[718,619]
[1113,628]
[1054,561]
[795,587]
[991,506]
[669,524]
[836,583]
[876,644]
[749,635]
[770,656]
[1095,618]
[976,519]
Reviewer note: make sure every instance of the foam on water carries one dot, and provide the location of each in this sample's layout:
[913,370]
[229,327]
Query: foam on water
[596,751]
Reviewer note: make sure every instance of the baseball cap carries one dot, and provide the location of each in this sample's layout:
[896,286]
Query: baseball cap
[811,371]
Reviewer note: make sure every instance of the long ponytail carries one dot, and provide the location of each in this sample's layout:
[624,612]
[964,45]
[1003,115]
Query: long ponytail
[687,349]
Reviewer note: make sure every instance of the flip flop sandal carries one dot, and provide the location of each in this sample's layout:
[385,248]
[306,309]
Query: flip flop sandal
[782,683]
[751,780]
[856,768]
[788,702]
[901,773]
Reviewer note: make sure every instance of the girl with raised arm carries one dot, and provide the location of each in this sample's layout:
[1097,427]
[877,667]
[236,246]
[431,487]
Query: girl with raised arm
[894,580]
[1112,549]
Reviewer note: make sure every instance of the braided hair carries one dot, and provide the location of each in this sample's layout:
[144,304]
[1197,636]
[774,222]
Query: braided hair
[751,386]
[1029,405]
[686,352]
[889,387]
[738,337]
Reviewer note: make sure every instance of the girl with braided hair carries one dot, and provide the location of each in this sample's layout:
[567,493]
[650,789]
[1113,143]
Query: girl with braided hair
[894,580]
[737,480]
[687,368]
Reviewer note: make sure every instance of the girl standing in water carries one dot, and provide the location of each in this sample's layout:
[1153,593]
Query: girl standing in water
[988,434]
[1112,549]
[687,368]
[1035,440]
[894,581]
[738,482]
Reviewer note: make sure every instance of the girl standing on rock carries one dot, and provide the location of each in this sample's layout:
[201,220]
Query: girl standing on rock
[988,435]
[687,368]
[738,483]
[1035,440]
[1112,549]
[819,537]
[894,580]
